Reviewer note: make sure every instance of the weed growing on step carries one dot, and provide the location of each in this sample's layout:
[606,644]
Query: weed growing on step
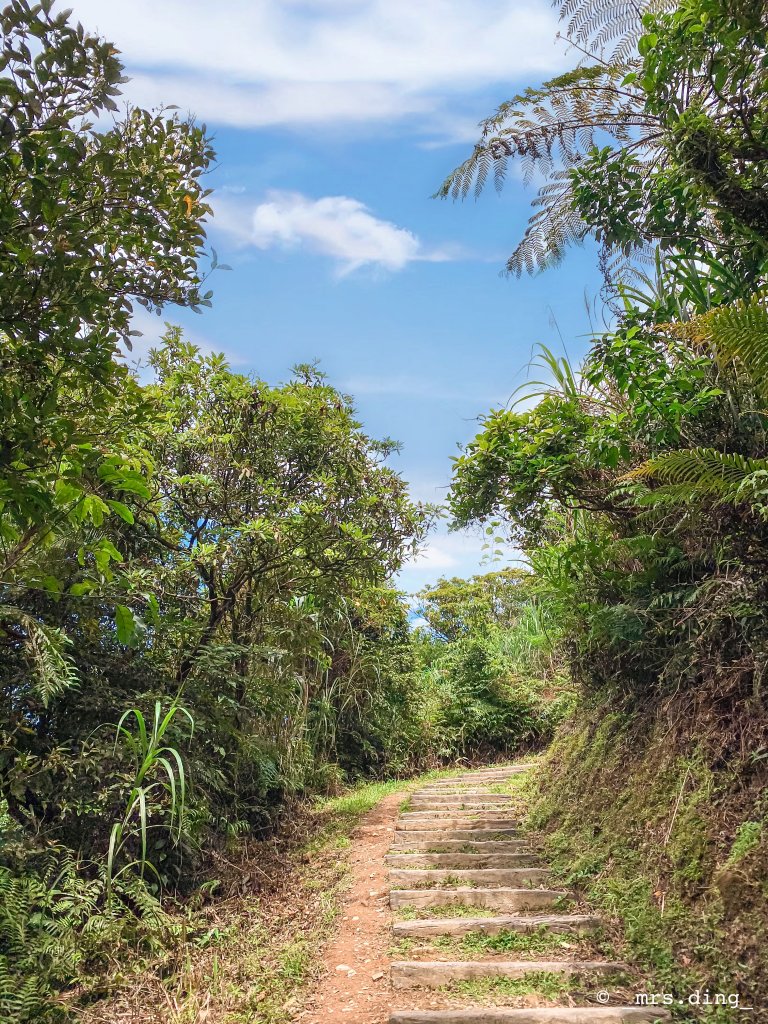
[445,910]
[521,945]
[542,940]
[542,984]
[545,984]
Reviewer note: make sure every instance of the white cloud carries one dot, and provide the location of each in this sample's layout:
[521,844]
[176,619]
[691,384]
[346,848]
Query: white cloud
[303,62]
[292,104]
[434,556]
[339,227]
[444,554]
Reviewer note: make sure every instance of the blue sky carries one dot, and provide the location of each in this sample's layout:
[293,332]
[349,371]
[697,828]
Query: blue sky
[334,122]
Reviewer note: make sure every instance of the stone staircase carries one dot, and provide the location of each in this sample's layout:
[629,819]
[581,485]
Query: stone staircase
[458,847]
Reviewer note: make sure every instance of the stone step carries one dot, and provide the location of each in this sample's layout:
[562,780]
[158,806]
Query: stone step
[420,823]
[443,812]
[502,898]
[471,796]
[464,786]
[461,860]
[405,841]
[475,773]
[466,833]
[456,791]
[476,780]
[459,796]
[482,876]
[434,927]
[436,973]
[444,807]
[535,1015]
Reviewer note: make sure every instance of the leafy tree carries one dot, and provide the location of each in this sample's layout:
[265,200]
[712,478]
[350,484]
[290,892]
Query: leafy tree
[92,220]
[457,607]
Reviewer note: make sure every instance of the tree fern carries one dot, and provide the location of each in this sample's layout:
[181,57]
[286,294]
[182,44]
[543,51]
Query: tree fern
[598,109]
[554,127]
[733,334]
[607,25]
[740,332]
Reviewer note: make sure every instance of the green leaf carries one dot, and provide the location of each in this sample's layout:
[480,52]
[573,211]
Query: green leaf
[125,623]
[122,510]
[78,589]
[109,548]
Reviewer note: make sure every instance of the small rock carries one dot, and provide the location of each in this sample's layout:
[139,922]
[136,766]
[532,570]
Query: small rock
[343,967]
[377,975]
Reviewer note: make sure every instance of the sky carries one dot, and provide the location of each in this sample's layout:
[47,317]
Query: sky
[334,123]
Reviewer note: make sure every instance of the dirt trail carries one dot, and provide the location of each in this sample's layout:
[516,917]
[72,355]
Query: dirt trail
[361,993]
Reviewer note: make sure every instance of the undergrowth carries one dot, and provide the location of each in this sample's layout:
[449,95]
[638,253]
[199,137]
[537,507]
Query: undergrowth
[661,827]
[247,950]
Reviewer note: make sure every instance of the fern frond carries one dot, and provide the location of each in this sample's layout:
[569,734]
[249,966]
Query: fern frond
[45,647]
[736,333]
[607,25]
[554,125]
[550,130]
[740,332]
[553,227]
[696,473]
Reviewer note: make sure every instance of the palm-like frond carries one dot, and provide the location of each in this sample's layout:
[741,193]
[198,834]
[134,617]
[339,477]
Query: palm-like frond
[696,473]
[550,130]
[736,333]
[740,332]
[553,128]
[607,25]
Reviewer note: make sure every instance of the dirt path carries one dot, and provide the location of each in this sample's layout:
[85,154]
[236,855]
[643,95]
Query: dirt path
[355,986]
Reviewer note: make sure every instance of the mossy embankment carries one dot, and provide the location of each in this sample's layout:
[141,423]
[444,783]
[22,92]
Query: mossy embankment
[659,817]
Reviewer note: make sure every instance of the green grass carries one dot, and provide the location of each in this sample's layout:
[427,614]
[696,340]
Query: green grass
[546,984]
[477,945]
[748,837]
[339,814]
[645,830]
[543,940]
[446,910]
[541,983]
[269,947]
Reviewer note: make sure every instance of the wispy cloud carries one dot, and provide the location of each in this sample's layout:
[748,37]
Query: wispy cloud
[308,62]
[422,386]
[339,227]
[445,554]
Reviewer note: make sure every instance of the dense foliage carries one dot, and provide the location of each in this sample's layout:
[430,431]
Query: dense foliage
[198,621]
[637,482]
[489,675]
[196,617]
